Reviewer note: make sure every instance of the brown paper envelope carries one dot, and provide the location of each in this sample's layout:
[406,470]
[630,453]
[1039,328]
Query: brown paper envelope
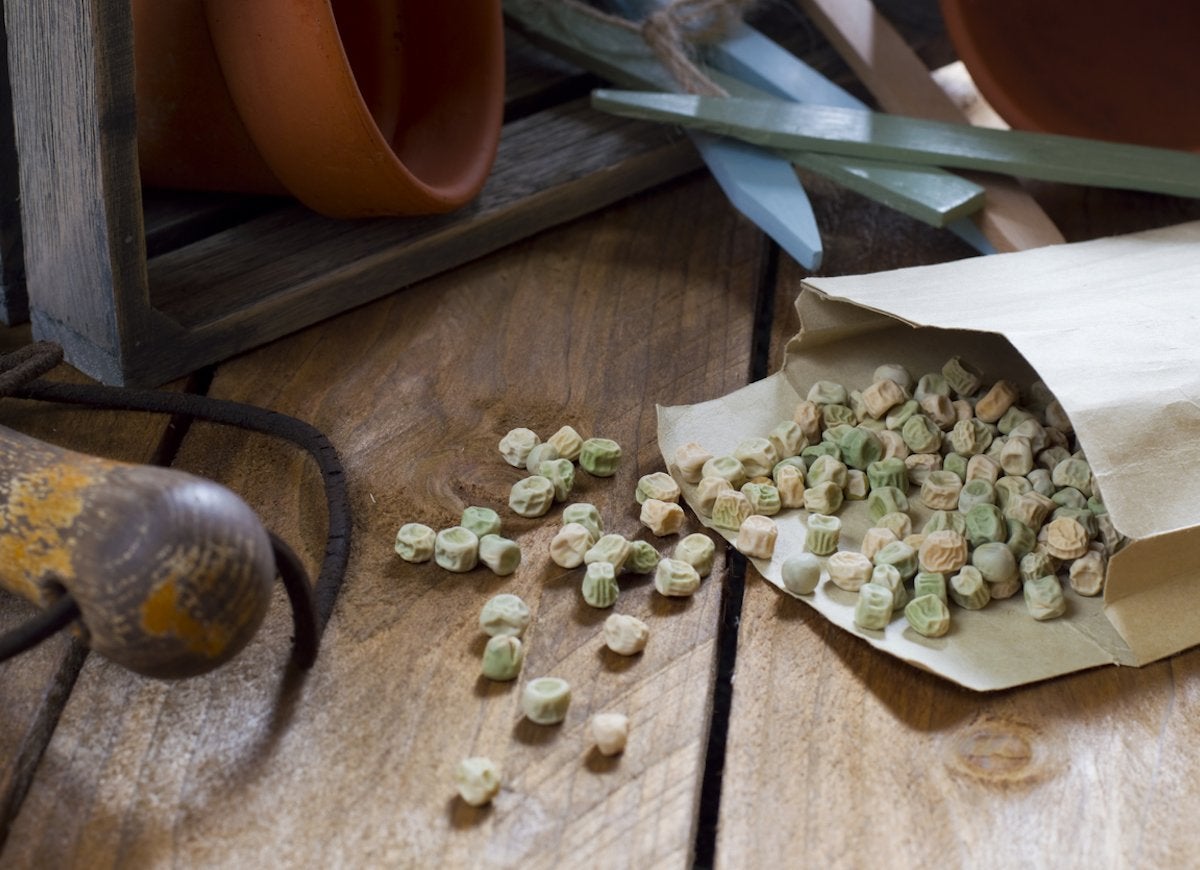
[1113,328]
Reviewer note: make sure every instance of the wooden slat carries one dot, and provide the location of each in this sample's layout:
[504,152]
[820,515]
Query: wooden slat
[14,306]
[34,686]
[840,753]
[589,325]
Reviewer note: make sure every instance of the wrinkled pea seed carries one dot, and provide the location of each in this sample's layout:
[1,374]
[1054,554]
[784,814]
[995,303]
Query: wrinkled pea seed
[415,542]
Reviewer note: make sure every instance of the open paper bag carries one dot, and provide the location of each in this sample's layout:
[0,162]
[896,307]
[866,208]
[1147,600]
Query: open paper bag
[1112,326]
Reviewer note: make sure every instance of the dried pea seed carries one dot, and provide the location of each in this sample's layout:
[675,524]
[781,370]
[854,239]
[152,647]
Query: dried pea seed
[888,472]
[930,583]
[883,395]
[502,658]
[659,485]
[928,615]
[825,448]
[585,515]
[983,467]
[975,492]
[707,492]
[961,376]
[1044,597]
[600,456]
[824,498]
[569,544]
[956,464]
[1021,538]
[546,700]
[600,585]
[893,444]
[1066,538]
[415,542]
[610,732]
[1036,564]
[856,489]
[873,610]
[764,498]
[940,410]
[515,446]
[567,442]
[875,539]
[480,520]
[939,520]
[561,474]
[757,455]
[884,500]
[898,416]
[985,522]
[613,549]
[801,573]
[456,549]
[920,466]
[838,415]
[933,382]
[501,555]
[698,551]
[788,439]
[941,491]
[731,508]
[1069,496]
[943,552]
[477,780]
[531,496]
[993,404]
[807,416]
[789,482]
[888,577]
[894,372]
[727,467]
[690,459]
[921,435]
[1086,574]
[823,532]
[849,570]
[969,590]
[625,635]
[504,614]
[827,393]
[997,564]
[662,517]
[539,454]
[643,558]
[900,556]
[756,537]
[826,469]
[675,578]
[971,437]
[861,447]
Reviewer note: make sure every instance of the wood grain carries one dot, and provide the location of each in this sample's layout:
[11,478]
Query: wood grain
[35,686]
[589,325]
[861,758]
[14,305]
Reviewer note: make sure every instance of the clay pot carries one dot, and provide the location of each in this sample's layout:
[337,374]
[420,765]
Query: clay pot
[1099,68]
[355,107]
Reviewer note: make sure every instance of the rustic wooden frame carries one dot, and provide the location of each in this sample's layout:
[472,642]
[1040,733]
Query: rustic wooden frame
[109,278]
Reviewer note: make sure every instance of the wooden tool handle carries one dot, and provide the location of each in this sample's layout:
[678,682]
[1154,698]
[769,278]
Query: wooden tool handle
[172,573]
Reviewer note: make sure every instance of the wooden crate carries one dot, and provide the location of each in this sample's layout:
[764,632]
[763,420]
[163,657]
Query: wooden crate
[139,289]
[13,306]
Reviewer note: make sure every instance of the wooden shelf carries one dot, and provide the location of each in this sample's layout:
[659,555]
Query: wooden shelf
[141,287]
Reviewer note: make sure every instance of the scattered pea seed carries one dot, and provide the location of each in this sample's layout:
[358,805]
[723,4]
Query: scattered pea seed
[480,520]
[477,780]
[823,534]
[613,549]
[456,549]
[727,467]
[643,558]
[500,554]
[587,516]
[539,454]
[610,731]
[567,442]
[600,585]
[757,456]
[505,614]
[546,700]
[707,492]
[675,578]
[625,635]
[561,474]
[515,446]
[1044,597]
[662,517]
[698,551]
[968,589]
[658,485]
[415,542]
[731,508]
[600,456]
[531,496]
[503,657]
[569,545]
[930,583]
[690,459]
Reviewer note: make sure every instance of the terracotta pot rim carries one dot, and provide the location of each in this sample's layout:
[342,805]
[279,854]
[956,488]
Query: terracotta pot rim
[292,82]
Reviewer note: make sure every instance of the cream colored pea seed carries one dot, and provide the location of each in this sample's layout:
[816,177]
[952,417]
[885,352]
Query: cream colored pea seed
[625,635]
[698,551]
[569,544]
[662,517]
[610,731]
[658,485]
[500,554]
[546,700]
[477,780]
[415,542]
[690,459]
[675,578]
[1066,538]
[757,455]
[789,480]
[612,548]
[756,537]
[567,442]
[539,454]
[849,570]
[1086,574]
[515,446]
[875,539]
[587,516]
[709,489]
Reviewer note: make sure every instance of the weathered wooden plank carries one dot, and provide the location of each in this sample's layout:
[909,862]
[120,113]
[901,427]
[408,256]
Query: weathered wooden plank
[823,726]
[590,324]
[14,305]
[34,686]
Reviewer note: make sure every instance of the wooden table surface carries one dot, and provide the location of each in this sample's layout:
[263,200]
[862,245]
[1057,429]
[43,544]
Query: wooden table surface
[761,735]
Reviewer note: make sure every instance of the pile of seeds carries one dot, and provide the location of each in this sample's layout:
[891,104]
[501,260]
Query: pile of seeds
[1015,507]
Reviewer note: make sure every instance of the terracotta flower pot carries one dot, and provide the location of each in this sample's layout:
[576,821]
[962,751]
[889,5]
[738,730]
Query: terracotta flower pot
[355,107]
[1106,69]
